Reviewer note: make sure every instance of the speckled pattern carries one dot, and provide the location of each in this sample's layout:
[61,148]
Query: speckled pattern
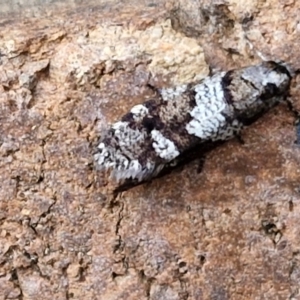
[156,132]
[230,232]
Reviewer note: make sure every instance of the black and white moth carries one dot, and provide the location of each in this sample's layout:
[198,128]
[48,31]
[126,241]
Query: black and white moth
[154,134]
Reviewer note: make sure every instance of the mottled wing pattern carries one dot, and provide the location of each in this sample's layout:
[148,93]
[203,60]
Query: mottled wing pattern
[155,133]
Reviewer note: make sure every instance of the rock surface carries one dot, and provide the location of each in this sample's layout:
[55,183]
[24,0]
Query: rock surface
[229,232]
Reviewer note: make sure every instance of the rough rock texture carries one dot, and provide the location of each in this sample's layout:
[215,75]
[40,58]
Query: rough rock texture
[229,232]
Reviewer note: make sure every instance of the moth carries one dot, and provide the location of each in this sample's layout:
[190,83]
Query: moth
[154,135]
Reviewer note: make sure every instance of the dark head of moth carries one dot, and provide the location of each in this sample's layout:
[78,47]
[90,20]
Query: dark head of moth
[154,135]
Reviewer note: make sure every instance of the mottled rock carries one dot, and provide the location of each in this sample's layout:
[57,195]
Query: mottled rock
[66,72]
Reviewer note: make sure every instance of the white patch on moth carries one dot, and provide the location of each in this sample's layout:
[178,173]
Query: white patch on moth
[139,111]
[119,125]
[262,75]
[163,147]
[122,167]
[127,170]
[101,146]
[127,137]
[207,114]
[120,159]
[275,78]
[170,93]
[102,155]
[134,170]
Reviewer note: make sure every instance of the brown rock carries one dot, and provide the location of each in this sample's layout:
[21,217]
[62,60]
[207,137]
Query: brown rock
[66,72]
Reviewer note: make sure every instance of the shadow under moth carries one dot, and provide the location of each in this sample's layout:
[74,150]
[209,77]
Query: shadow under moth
[164,131]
